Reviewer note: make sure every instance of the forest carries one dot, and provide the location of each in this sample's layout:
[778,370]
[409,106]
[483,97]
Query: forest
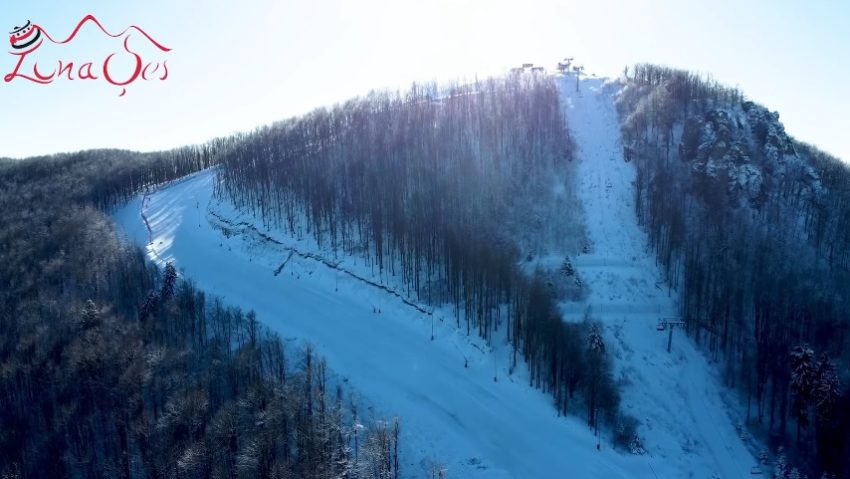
[112,368]
[752,229]
[445,191]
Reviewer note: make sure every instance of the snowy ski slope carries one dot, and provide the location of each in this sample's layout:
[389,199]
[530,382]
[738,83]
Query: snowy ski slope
[675,395]
[475,427]
[454,415]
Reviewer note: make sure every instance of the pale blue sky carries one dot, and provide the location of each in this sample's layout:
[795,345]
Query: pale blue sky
[237,65]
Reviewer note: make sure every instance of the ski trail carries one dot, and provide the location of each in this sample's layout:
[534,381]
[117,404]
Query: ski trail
[452,411]
[675,395]
[454,415]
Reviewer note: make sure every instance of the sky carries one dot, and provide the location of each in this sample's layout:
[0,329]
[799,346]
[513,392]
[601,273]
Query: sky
[234,66]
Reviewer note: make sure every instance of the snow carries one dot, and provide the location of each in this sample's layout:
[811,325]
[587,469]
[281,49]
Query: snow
[676,396]
[457,416]
[450,414]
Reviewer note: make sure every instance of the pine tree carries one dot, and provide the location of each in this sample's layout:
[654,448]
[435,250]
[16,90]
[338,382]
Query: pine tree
[90,317]
[595,341]
[827,387]
[168,282]
[149,305]
[803,380]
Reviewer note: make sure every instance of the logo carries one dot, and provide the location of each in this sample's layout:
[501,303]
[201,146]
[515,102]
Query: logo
[27,42]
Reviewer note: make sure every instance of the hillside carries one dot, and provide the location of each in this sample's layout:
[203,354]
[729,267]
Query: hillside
[675,395]
[751,227]
[534,275]
[461,401]
[111,367]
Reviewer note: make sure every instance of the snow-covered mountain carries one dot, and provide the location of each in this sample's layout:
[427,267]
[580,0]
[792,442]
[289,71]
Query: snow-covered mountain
[461,405]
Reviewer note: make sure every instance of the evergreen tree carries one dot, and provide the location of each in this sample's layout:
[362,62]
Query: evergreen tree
[596,344]
[149,305]
[827,389]
[803,381]
[90,317]
[168,282]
